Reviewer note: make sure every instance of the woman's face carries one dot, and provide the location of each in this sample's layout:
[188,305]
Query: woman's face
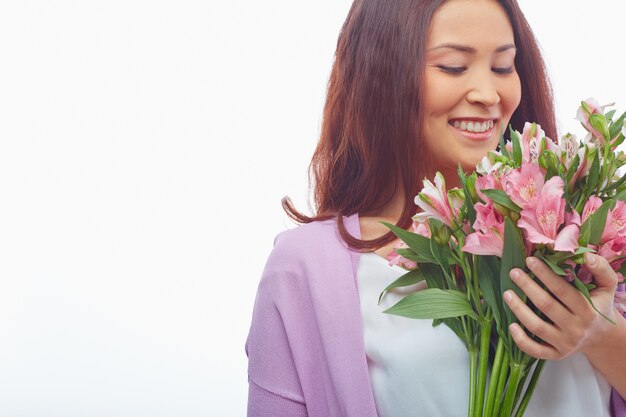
[471,87]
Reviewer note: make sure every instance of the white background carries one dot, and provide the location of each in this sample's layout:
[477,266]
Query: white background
[144,149]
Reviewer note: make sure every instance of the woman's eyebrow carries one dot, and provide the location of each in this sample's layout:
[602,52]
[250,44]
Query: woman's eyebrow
[469,49]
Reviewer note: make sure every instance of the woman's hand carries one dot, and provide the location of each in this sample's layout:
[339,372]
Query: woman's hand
[576,326]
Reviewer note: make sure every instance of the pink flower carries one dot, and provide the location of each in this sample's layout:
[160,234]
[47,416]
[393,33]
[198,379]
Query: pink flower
[612,250]
[434,202]
[586,155]
[524,184]
[587,108]
[422,228]
[487,182]
[396,259]
[532,135]
[542,222]
[568,147]
[489,236]
[615,222]
[592,204]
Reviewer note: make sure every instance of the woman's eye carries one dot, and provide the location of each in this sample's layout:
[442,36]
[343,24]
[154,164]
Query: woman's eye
[451,70]
[503,70]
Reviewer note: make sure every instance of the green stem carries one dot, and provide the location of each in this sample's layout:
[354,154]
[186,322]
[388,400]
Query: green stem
[502,378]
[476,288]
[520,387]
[511,389]
[485,337]
[531,388]
[472,394]
[495,375]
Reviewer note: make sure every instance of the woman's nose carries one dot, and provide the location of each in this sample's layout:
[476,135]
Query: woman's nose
[483,91]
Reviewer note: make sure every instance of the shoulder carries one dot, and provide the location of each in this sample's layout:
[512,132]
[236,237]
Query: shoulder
[309,250]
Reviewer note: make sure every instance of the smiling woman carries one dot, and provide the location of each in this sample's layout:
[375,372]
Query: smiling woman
[416,87]
[471,86]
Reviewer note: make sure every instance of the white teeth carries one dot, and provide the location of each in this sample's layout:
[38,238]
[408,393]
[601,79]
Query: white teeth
[475,127]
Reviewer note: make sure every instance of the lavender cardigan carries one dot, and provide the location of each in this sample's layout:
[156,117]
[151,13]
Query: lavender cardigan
[305,347]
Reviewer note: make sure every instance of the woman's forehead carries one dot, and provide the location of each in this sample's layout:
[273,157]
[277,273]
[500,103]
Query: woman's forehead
[472,23]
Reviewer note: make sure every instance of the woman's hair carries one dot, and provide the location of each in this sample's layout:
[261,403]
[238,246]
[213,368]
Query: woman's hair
[369,144]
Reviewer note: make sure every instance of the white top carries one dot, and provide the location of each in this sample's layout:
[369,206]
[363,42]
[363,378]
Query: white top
[420,370]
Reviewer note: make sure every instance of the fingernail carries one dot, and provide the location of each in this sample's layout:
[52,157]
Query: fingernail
[508,296]
[590,259]
[514,274]
[530,261]
[513,328]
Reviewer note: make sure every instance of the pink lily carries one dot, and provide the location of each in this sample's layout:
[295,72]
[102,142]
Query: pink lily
[543,221]
[489,236]
[434,202]
[568,148]
[524,184]
[532,135]
[588,108]
[615,222]
[592,204]
[487,182]
[396,259]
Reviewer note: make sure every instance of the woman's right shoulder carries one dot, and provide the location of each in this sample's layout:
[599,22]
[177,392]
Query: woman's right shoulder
[304,242]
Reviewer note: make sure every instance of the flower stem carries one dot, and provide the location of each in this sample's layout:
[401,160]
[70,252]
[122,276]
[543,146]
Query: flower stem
[502,378]
[472,394]
[495,376]
[485,337]
[531,388]
[517,370]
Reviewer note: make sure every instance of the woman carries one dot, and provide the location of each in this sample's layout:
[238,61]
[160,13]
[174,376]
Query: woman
[408,80]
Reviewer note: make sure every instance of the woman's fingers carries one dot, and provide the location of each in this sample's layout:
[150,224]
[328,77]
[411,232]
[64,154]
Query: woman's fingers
[565,292]
[532,347]
[541,298]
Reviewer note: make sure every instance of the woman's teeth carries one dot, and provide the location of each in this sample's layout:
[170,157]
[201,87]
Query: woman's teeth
[476,127]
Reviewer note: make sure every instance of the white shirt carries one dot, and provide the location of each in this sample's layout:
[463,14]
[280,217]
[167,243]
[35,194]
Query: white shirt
[420,370]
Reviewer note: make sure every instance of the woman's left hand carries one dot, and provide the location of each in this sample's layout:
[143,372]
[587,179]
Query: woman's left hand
[576,326]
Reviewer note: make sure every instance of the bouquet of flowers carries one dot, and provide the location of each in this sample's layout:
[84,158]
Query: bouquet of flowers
[534,197]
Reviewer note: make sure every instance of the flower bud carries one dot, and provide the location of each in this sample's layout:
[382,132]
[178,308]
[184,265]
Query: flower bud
[502,210]
[441,234]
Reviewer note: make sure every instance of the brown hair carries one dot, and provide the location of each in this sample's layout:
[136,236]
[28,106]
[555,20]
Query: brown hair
[367,148]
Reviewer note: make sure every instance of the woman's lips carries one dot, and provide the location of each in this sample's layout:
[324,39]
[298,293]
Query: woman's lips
[478,136]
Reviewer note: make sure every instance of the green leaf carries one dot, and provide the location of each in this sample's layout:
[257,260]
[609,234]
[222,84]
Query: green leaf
[419,243]
[553,266]
[433,303]
[616,184]
[559,257]
[410,278]
[572,169]
[597,221]
[407,253]
[618,141]
[594,173]
[609,115]
[434,275]
[468,183]
[500,197]
[621,195]
[548,160]
[617,125]
[441,253]
[517,149]
[513,256]
[489,282]
[503,150]
[583,289]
